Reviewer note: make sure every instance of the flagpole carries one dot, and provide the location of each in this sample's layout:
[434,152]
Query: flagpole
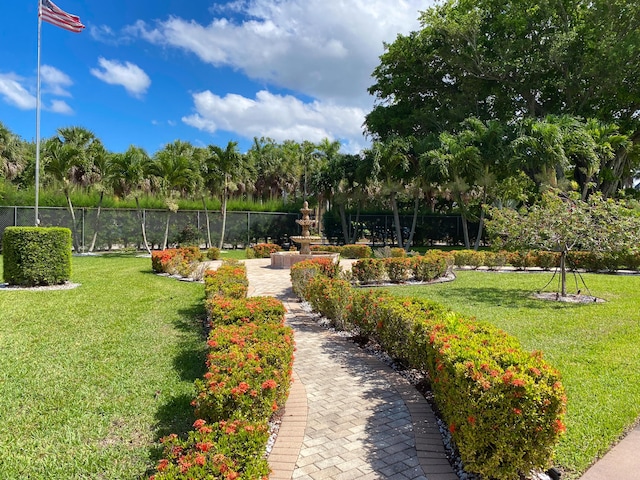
[37,219]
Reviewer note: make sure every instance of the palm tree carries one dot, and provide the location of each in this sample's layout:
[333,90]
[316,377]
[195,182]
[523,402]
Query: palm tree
[62,162]
[173,167]
[390,164]
[224,166]
[127,176]
[12,161]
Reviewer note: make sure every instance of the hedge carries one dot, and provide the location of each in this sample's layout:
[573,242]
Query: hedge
[432,265]
[589,261]
[504,406]
[36,256]
[175,260]
[249,367]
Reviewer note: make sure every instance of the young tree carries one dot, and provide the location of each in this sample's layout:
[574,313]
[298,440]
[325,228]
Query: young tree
[225,164]
[563,222]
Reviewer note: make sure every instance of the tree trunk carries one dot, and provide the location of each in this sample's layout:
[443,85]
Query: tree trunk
[465,231]
[224,214]
[563,273]
[74,228]
[396,218]
[480,228]
[96,225]
[142,225]
[343,221]
[414,222]
[206,218]
[357,222]
[166,231]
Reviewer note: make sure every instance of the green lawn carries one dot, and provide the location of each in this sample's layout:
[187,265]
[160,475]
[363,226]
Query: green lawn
[596,347]
[90,378]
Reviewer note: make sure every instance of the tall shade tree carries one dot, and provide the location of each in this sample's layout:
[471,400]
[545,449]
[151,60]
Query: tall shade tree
[225,164]
[176,174]
[510,59]
[128,177]
[100,158]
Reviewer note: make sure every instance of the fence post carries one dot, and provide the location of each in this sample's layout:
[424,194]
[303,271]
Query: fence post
[248,229]
[15,216]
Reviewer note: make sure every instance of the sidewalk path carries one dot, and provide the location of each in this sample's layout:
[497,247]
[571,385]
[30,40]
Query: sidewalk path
[348,416]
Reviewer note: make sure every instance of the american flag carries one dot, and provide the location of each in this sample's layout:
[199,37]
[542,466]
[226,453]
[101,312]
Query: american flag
[50,12]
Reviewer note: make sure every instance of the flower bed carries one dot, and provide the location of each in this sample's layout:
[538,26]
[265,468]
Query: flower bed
[175,260]
[248,377]
[504,406]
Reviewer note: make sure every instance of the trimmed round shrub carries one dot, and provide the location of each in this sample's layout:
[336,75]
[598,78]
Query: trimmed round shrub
[37,256]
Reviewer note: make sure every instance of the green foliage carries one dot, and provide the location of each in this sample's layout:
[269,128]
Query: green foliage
[216,451]
[188,236]
[399,269]
[36,256]
[469,258]
[368,270]
[356,251]
[433,264]
[213,253]
[264,250]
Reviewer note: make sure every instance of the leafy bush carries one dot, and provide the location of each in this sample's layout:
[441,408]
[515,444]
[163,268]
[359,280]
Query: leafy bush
[303,272]
[356,251]
[468,258]
[326,248]
[217,451]
[521,260]
[213,253]
[176,260]
[189,236]
[36,256]
[398,269]
[369,270]
[494,260]
[433,264]
[264,250]
[330,297]
[546,260]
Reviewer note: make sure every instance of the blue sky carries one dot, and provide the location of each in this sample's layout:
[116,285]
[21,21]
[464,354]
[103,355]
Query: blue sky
[147,73]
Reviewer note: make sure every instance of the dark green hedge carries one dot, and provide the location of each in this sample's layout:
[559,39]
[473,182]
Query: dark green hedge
[37,256]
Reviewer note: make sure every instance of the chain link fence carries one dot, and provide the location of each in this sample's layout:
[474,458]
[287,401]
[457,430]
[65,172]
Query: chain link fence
[110,229]
[114,229]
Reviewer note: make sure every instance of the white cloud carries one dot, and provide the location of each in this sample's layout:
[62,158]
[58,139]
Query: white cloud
[60,106]
[54,81]
[14,93]
[281,117]
[130,76]
[326,50]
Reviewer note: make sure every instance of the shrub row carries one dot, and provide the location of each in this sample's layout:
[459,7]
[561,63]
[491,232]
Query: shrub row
[399,269]
[504,406]
[249,366]
[589,261]
[346,251]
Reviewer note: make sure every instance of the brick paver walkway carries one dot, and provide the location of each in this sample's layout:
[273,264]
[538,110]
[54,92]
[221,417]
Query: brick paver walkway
[348,416]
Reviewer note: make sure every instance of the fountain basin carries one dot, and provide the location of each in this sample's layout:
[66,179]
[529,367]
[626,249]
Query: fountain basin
[286,259]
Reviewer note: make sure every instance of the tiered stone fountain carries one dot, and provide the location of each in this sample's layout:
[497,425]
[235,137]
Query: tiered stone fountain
[286,259]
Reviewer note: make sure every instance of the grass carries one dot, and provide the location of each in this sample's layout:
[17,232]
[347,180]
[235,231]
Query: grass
[594,346]
[90,378]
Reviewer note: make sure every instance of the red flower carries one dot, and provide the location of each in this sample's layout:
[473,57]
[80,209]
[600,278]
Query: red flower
[559,427]
[517,411]
[452,428]
[269,384]
[163,464]
[200,460]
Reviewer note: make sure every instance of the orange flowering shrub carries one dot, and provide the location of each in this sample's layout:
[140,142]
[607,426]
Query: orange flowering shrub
[356,251]
[218,451]
[162,261]
[249,372]
[229,280]
[264,250]
[231,311]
